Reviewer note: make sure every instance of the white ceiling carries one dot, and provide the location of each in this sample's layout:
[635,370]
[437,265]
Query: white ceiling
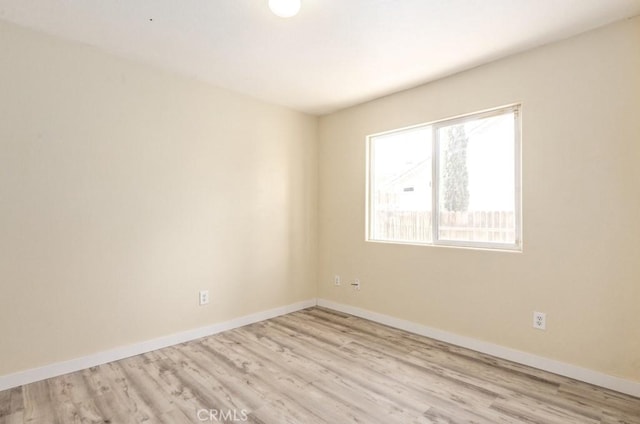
[334,54]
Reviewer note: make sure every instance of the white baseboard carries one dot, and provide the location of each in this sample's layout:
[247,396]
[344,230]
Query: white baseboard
[582,374]
[572,371]
[60,368]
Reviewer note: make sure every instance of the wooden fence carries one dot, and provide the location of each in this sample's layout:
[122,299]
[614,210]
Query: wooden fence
[481,226]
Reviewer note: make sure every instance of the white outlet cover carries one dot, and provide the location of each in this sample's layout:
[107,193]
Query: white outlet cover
[540,320]
[203,297]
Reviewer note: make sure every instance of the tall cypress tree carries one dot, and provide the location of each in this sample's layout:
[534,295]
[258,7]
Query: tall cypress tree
[456,176]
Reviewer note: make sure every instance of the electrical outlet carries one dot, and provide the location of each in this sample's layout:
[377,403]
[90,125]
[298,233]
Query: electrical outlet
[336,280]
[540,320]
[203,297]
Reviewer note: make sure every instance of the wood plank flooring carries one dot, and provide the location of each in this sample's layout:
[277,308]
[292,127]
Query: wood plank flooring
[314,366]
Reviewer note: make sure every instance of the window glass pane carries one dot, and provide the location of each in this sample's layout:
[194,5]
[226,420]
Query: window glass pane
[476,171]
[400,194]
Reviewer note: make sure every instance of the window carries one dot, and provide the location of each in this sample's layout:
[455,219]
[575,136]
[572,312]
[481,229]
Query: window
[454,182]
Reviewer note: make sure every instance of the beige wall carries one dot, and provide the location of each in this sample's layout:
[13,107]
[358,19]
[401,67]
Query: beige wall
[124,190]
[581,207]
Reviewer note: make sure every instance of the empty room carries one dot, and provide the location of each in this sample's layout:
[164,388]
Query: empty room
[320,211]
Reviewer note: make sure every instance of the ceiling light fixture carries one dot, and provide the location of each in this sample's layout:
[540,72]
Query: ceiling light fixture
[284,8]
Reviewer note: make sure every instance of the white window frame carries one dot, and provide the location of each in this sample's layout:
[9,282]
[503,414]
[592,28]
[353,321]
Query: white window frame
[516,109]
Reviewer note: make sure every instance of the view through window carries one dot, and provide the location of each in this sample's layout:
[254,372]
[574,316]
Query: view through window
[466,169]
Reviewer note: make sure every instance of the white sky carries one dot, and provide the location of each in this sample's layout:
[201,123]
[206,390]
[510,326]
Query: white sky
[490,161]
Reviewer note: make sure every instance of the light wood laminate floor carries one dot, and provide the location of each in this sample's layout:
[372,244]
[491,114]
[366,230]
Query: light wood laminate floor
[314,366]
